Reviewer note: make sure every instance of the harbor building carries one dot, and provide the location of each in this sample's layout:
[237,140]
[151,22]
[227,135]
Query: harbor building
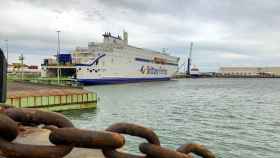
[18,67]
[250,71]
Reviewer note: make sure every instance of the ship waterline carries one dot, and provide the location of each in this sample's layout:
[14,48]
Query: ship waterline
[116,80]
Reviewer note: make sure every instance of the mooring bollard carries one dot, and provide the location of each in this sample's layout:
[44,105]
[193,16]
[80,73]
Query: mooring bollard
[3,77]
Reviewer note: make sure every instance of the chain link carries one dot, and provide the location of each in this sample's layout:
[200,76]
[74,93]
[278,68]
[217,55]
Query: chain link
[65,137]
[133,130]
[8,128]
[86,139]
[197,149]
[152,150]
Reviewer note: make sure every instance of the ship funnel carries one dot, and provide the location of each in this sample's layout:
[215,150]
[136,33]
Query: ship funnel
[125,37]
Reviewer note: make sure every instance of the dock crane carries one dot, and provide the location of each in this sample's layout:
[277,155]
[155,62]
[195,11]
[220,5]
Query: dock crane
[188,73]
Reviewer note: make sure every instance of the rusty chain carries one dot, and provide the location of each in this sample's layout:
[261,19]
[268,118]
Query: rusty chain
[65,137]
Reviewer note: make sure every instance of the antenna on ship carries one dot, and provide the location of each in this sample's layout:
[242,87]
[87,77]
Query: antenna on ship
[188,73]
[125,37]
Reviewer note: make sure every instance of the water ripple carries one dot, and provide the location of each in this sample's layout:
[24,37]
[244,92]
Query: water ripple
[232,117]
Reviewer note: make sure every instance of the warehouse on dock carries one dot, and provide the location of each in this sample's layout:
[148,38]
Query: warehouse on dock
[18,67]
[250,71]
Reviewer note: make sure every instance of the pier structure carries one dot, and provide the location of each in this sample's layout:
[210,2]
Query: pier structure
[48,97]
[42,96]
[49,71]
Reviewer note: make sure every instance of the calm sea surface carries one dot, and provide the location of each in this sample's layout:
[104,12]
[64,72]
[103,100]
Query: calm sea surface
[234,118]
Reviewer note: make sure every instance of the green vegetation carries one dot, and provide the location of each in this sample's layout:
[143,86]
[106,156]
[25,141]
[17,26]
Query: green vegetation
[36,78]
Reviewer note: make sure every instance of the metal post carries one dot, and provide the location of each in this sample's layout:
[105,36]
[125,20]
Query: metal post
[3,77]
[7,50]
[57,58]
[190,60]
[21,58]
[189,67]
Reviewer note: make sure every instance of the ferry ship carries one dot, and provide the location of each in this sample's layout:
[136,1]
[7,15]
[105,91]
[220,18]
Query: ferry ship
[114,61]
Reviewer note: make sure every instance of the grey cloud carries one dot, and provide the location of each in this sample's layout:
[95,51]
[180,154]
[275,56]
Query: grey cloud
[242,27]
[58,4]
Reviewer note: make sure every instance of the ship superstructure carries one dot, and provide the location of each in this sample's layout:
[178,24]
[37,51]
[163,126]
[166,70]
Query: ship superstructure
[114,61]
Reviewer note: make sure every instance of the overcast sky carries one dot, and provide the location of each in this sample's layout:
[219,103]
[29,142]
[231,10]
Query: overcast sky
[224,32]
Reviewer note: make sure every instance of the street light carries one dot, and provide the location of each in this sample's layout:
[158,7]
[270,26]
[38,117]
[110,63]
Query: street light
[21,59]
[57,57]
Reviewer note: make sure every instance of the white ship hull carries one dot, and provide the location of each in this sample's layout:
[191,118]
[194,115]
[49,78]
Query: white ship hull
[113,61]
[126,71]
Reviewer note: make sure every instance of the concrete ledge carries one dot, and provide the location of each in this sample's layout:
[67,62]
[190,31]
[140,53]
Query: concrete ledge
[36,136]
[51,98]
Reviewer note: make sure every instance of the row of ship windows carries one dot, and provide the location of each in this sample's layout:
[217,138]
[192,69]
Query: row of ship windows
[148,70]
[151,70]
[151,61]
[155,72]
[129,57]
[92,70]
[137,59]
[119,53]
[112,61]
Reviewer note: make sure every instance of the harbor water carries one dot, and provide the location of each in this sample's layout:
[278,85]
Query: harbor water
[232,117]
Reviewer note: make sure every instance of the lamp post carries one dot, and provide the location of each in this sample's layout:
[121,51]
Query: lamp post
[57,57]
[21,59]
